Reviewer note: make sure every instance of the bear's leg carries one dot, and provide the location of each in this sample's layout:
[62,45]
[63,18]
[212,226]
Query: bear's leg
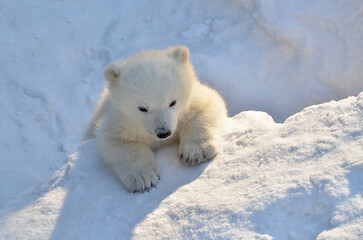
[198,142]
[133,163]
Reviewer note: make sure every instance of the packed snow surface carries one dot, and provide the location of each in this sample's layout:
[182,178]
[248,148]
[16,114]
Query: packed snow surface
[297,180]
[273,56]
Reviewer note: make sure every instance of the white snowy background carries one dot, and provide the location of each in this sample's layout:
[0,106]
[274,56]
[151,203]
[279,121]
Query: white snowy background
[283,172]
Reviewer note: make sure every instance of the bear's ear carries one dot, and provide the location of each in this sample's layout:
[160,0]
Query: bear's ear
[112,71]
[179,53]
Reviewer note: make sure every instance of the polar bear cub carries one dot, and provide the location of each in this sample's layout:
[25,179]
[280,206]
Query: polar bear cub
[152,99]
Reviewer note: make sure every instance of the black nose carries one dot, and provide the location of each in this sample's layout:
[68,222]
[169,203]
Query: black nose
[163,133]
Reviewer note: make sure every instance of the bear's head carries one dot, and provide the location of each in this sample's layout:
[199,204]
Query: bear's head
[152,88]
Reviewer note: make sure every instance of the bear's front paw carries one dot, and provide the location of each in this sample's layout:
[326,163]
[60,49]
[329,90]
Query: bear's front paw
[193,154]
[140,179]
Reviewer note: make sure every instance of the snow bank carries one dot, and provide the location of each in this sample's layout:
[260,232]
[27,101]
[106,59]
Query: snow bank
[297,180]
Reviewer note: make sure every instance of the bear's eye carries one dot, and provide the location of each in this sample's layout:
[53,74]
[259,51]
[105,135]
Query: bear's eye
[142,109]
[172,103]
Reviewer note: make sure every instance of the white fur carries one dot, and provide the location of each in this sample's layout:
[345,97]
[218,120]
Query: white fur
[152,80]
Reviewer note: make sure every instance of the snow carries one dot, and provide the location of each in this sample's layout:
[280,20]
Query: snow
[299,178]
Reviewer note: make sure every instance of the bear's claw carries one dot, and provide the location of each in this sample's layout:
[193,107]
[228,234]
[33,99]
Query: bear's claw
[193,154]
[141,180]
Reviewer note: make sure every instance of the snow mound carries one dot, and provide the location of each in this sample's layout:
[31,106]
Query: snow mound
[298,180]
